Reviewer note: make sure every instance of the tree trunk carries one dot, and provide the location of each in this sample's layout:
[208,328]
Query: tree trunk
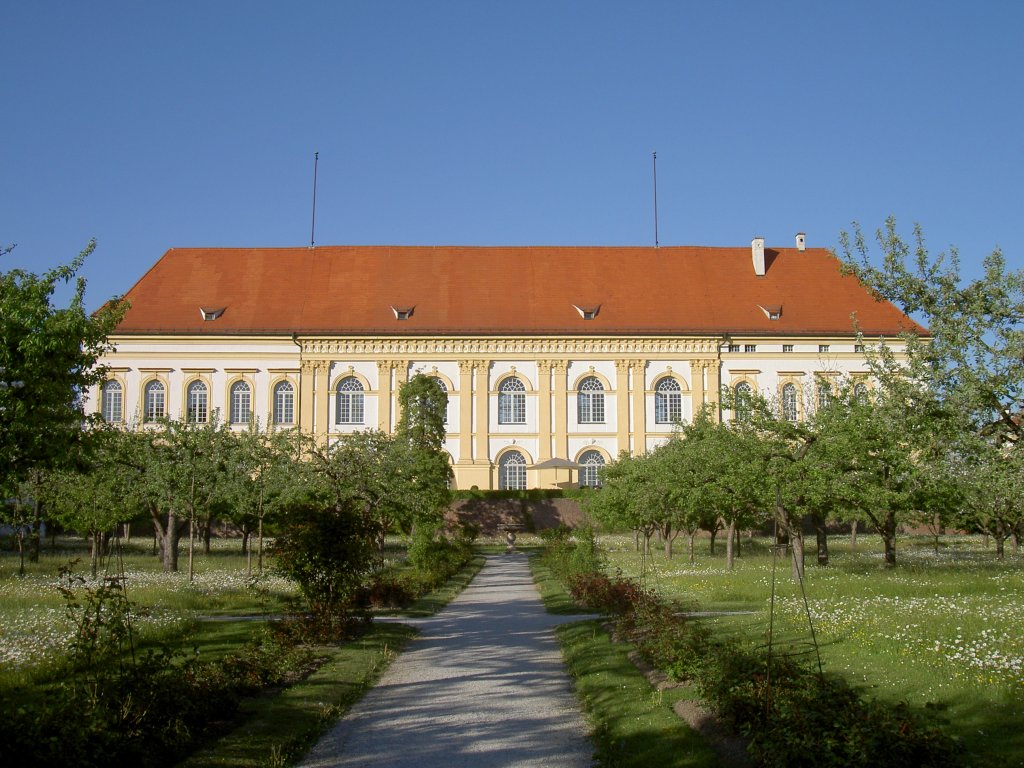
[259,561]
[636,539]
[166,535]
[693,535]
[191,547]
[714,534]
[853,535]
[205,529]
[821,535]
[246,534]
[730,545]
[94,552]
[128,533]
[668,546]
[19,536]
[739,546]
[889,537]
[796,538]
[999,546]
[33,540]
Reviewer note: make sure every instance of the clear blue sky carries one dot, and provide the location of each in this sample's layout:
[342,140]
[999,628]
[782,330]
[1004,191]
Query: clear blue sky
[153,125]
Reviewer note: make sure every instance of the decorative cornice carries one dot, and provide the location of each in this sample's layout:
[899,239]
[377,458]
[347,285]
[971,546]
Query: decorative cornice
[530,346]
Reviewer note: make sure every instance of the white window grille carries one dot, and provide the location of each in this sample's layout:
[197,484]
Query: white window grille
[112,401]
[197,403]
[349,408]
[744,396]
[444,388]
[590,468]
[789,409]
[154,401]
[284,403]
[512,472]
[590,401]
[668,402]
[241,403]
[512,402]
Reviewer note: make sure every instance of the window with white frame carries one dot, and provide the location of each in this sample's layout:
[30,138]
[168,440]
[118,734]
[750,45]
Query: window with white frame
[153,401]
[112,401]
[512,472]
[512,402]
[241,403]
[590,467]
[444,388]
[744,397]
[349,401]
[823,348]
[284,403]
[590,401]
[668,401]
[824,394]
[197,403]
[787,348]
[860,393]
[789,409]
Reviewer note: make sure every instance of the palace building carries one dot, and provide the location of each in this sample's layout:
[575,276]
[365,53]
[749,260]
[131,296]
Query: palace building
[571,353]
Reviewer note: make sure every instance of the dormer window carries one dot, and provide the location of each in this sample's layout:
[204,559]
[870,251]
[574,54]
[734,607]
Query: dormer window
[772,311]
[402,313]
[211,314]
[587,313]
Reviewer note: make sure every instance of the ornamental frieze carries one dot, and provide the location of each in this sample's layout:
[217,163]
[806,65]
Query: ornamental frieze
[510,347]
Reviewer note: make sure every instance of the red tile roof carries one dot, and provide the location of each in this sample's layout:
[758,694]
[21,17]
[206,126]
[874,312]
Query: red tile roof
[350,290]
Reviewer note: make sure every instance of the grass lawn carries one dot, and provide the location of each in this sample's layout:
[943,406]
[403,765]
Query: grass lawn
[633,725]
[273,729]
[34,629]
[944,628]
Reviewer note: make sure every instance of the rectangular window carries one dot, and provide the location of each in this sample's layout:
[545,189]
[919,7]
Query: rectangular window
[734,347]
[787,347]
[859,348]
[823,349]
[750,347]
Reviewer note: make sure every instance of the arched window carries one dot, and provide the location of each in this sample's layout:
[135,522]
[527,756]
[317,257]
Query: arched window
[590,401]
[241,403]
[824,394]
[590,466]
[789,411]
[668,401]
[349,402]
[196,403]
[744,395]
[153,401]
[512,402]
[860,393]
[512,472]
[284,403]
[444,388]
[111,401]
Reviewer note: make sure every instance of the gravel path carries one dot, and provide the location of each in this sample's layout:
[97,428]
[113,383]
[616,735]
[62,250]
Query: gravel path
[483,685]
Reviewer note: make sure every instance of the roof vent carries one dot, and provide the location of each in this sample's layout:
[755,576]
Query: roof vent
[211,314]
[403,313]
[772,311]
[757,253]
[801,241]
[588,313]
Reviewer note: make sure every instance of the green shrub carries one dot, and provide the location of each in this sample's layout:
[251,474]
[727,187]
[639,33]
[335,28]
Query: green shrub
[437,558]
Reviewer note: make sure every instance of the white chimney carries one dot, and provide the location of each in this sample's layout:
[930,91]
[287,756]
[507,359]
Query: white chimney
[801,241]
[757,253]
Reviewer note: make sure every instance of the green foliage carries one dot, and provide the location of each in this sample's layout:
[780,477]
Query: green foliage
[792,716]
[327,551]
[437,558]
[113,705]
[571,552]
[47,361]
